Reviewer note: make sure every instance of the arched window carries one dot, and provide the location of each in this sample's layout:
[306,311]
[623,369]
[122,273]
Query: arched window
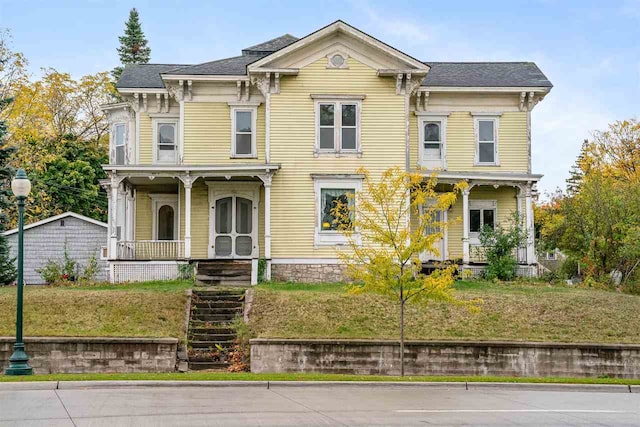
[166,223]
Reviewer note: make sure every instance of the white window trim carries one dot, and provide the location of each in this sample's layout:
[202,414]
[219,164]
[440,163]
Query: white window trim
[422,162]
[159,200]
[337,126]
[474,237]
[332,237]
[254,121]
[496,127]
[155,123]
[113,142]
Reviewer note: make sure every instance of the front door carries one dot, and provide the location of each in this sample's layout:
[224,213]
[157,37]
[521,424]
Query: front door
[440,246]
[233,228]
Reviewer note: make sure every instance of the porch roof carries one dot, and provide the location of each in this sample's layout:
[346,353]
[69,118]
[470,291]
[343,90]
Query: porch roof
[219,170]
[480,177]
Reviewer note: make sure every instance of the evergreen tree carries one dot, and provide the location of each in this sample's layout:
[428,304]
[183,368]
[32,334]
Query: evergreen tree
[133,45]
[7,266]
[577,171]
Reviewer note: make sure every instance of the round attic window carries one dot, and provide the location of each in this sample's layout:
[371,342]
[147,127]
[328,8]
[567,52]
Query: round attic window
[337,60]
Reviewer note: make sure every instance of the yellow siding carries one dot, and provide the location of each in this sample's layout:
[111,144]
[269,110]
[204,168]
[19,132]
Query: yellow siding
[207,134]
[292,144]
[414,144]
[144,216]
[199,219]
[146,139]
[507,205]
[461,143]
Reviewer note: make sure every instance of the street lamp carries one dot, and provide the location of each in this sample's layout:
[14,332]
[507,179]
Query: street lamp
[19,361]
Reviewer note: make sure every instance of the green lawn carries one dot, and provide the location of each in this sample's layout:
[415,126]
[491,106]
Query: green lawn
[512,311]
[246,376]
[152,309]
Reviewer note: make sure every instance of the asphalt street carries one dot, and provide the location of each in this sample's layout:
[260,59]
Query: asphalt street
[313,405]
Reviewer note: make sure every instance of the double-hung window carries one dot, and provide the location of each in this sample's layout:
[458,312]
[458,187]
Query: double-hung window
[338,125]
[482,213]
[119,156]
[486,130]
[243,132]
[335,202]
[166,141]
[432,132]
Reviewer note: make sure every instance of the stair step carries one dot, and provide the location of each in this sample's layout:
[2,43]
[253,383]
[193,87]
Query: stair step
[201,366]
[211,337]
[217,304]
[196,329]
[228,318]
[210,296]
[210,345]
[217,310]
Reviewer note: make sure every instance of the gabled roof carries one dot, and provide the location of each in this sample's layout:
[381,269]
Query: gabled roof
[234,66]
[55,218]
[146,76]
[270,46]
[485,74]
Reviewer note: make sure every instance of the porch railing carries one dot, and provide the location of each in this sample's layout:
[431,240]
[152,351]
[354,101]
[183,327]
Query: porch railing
[151,249]
[478,256]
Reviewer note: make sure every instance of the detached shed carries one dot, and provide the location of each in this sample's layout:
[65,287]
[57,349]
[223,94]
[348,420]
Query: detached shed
[45,240]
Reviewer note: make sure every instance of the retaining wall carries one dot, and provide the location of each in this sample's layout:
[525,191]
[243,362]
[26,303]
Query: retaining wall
[519,359]
[95,355]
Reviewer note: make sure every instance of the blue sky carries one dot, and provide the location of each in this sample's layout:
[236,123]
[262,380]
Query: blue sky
[589,50]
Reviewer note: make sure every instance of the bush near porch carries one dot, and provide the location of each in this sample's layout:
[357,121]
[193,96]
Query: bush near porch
[511,311]
[152,309]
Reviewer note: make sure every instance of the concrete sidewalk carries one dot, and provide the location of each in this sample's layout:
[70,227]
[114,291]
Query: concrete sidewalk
[315,404]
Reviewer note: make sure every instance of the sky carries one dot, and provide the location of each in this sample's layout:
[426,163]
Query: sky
[590,50]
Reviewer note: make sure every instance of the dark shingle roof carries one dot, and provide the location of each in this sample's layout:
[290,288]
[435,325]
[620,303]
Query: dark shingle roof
[144,75]
[270,46]
[236,65]
[485,74]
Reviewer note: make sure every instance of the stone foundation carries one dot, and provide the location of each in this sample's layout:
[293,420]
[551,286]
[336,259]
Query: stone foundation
[517,359]
[71,355]
[308,273]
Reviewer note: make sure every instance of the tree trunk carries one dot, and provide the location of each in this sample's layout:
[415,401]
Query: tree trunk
[402,337]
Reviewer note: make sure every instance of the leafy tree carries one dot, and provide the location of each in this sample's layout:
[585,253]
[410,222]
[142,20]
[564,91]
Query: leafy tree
[499,245]
[133,45]
[7,267]
[388,262]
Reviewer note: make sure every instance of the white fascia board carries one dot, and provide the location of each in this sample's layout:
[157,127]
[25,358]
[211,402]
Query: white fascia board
[281,71]
[195,168]
[204,77]
[491,176]
[142,90]
[391,72]
[55,218]
[347,29]
[483,89]
[114,106]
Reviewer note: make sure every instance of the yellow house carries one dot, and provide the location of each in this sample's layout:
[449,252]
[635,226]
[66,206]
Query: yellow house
[228,162]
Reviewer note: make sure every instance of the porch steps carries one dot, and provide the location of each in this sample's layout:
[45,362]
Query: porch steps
[223,273]
[212,311]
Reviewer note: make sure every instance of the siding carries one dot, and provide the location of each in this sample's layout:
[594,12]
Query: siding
[146,139]
[461,143]
[47,242]
[143,214]
[292,145]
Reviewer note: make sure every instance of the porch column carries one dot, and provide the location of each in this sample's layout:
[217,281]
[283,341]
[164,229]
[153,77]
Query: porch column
[465,225]
[113,216]
[267,226]
[528,201]
[187,181]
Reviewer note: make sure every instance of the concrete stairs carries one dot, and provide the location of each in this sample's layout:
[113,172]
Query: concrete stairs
[223,273]
[212,311]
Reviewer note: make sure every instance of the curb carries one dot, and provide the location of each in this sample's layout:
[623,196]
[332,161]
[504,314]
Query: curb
[78,385]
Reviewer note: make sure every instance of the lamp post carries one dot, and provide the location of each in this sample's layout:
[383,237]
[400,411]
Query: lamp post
[19,361]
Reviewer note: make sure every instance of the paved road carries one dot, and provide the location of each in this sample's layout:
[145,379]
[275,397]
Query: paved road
[316,405]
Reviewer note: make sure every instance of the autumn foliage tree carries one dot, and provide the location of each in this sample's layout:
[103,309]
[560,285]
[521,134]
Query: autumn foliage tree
[387,262]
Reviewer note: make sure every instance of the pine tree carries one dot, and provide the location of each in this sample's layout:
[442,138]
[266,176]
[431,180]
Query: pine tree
[7,266]
[577,171]
[133,45]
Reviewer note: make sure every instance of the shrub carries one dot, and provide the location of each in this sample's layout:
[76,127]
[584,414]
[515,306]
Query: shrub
[66,272]
[499,245]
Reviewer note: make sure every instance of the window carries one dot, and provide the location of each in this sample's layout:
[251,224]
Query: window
[486,141]
[338,124]
[481,213]
[119,144]
[331,194]
[165,216]
[243,132]
[165,222]
[432,131]
[166,141]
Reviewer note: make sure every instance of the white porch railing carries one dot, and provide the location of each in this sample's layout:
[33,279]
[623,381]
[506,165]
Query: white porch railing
[151,250]
[478,256]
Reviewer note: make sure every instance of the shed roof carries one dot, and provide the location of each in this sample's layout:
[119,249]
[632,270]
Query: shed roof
[55,218]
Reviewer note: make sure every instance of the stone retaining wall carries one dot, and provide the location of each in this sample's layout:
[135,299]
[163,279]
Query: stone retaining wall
[520,359]
[95,355]
[308,273]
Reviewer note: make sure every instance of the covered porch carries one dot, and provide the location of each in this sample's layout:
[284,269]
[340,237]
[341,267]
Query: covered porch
[161,217]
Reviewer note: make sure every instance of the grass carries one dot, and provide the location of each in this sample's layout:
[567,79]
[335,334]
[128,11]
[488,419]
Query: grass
[226,376]
[511,311]
[150,309]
